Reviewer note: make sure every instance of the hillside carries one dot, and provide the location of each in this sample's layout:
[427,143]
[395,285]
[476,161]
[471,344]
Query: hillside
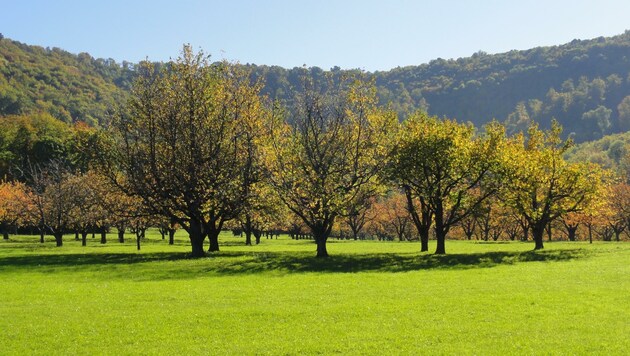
[611,151]
[584,84]
[70,87]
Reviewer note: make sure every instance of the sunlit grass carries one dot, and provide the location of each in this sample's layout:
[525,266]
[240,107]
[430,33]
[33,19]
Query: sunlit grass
[369,297]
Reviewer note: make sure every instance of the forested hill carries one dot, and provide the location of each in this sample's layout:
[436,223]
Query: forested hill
[68,86]
[582,84]
[585,85]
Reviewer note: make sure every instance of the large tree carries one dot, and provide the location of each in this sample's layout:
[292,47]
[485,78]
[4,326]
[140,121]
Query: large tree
[440,162]
[189,141]
[331,147]
[541,186]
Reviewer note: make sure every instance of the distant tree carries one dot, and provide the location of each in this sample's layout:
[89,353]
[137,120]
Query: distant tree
[623,110]
[333,147]
[359,212]
[598,118]
[617,209]
[52,191]
[392,214]
[263,212]
[14,207]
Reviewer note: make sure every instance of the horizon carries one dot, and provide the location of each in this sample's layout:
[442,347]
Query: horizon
[365,35]
[119,62]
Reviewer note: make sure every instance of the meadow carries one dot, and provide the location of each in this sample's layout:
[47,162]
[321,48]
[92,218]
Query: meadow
[369,297]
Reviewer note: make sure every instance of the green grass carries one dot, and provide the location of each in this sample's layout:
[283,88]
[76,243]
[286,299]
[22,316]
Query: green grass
[276,298]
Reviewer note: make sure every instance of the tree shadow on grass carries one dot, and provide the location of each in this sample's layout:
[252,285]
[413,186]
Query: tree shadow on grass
[77,259]
[140,267]
[297,263]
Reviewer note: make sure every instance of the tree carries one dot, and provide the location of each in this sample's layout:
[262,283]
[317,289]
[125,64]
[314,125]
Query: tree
[423,220]
[441,162]
[51,191]
[617,209]
[392,215]
[571,222]
[14,207]
[186,139]
[598,118]
[263,210]
[358,213]
[335,145]
[541,185]
[623,110]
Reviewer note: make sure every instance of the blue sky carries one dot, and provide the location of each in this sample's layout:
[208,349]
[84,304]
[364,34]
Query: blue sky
[371,35]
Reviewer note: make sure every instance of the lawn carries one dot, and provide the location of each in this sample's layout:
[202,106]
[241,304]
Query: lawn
[368,298]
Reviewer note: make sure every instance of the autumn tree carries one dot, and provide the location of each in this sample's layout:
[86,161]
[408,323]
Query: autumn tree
[51,193]
[185,142]
[14,206]
[440,162]
[359,211]
[332,146]
[263,211]
[542,185]
[616,212]
[393,216]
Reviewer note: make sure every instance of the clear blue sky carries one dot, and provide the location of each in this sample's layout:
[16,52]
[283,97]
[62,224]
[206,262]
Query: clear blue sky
[372,35]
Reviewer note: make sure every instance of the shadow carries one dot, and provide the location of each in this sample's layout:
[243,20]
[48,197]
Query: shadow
[297,263]
[88,259]
[139,266]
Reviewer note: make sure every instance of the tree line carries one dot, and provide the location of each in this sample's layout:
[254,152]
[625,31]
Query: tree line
[198,146]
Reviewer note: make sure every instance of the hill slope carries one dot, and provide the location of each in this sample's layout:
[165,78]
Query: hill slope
[68,86]
[585,85]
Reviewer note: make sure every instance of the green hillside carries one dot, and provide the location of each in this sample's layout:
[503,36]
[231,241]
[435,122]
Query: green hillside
[70,87]
[611,151]
[584,84]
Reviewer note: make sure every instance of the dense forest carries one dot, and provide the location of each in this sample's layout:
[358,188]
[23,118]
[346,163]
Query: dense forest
[584,85]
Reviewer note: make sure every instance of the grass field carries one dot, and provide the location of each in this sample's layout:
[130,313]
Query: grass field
[276,298]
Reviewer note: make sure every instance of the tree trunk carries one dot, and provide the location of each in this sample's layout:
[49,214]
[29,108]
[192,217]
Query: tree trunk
[321,246]
[76,236]
[248,230]
[423,225]
[213,237]
[58,238]
[440,239]
[138,238]
[440,230]
[590,233]
[41,236]
[5,234]
[171,236]
[84,238]
[424,238]
[538,230]
[103,236]
[197,237]
[549,232]
[571,230]
[248,237]
[257,235]
[121,235]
